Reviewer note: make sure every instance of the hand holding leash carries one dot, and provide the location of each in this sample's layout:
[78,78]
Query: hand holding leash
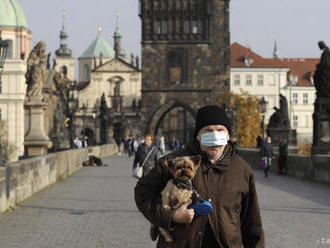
[183,215]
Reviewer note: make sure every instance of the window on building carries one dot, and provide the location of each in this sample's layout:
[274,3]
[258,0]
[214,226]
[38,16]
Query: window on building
[9,49]
[157,27]
[164,27]
[237,80]
[86,72]
[176,66]
[194,25]
[249,79]
[260,80]
[295,121]
[65,70]
[305,98]
[295,98]
[186,27]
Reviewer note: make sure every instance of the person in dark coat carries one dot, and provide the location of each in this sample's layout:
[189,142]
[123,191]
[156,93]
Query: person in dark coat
[223,178]
[266,153]
[283,153]
[148,147]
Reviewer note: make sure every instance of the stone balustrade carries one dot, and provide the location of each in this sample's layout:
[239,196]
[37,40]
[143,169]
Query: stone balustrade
[20,180]
[316,167]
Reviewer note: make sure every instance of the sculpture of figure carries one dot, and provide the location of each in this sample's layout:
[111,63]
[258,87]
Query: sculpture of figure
[322,73]
[58,119]
[104,120]
[284,112]
[275,119]
[36,70]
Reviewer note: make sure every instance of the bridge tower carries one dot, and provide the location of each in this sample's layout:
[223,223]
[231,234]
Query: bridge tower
[185,56]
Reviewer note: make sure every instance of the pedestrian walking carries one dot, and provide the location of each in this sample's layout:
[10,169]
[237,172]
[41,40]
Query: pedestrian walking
[147,155]
[223,178]
[266,153]
[283,153]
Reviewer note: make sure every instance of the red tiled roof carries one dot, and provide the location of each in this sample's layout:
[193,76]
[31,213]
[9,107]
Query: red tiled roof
[303,68]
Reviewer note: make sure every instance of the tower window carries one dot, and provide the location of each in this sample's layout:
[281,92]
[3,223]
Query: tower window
[176,66]
[9,53]
[86,72]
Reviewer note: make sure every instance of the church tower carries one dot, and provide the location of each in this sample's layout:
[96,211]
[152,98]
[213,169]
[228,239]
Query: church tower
[63,58]
[185,55]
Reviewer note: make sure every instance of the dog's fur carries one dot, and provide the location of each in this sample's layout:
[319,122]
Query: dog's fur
[182,169]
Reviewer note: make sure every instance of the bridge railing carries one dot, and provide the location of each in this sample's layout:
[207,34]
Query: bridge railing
[19,180]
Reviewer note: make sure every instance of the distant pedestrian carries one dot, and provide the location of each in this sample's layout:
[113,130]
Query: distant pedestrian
[266,152]
[147,155]
[283,153]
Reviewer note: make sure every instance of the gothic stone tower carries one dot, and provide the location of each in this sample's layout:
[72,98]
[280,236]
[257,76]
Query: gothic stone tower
[185,55]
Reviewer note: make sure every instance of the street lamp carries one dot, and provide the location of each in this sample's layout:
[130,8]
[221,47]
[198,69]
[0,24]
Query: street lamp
[235,117]
[83,109]
[73,105]
[263,109]
[3,56]
[94,118]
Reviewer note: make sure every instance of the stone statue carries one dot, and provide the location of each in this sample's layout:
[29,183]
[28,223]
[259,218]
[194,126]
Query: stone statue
[322,73]
[36,73]
[103,120]
[59,117]
[280,118]
[275,119]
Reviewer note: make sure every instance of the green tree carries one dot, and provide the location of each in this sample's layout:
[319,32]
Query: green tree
[249,118]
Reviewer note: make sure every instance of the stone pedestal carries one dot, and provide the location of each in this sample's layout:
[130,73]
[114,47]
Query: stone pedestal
[36,141]
[277,133]
[321,128]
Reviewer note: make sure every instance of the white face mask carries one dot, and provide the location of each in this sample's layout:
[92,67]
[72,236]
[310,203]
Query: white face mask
[214,139]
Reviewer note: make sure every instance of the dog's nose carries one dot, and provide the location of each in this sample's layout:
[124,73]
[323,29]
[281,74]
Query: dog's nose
[183,172]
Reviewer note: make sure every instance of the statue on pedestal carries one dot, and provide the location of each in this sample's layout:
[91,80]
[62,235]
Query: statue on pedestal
[37,72]
[104,117]
[321,116]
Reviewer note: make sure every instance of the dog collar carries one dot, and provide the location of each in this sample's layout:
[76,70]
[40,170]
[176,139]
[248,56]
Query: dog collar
[183,184]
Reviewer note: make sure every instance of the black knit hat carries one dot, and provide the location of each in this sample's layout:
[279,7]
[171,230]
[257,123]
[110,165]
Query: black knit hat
[212,115]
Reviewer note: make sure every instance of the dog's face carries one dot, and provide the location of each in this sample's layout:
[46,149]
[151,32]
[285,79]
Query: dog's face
[184,168]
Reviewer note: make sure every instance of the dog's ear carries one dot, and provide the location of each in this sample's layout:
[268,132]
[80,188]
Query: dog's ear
[168,163]
[197,160]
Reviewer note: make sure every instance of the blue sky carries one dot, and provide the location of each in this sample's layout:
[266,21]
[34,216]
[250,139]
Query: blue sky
[297,25]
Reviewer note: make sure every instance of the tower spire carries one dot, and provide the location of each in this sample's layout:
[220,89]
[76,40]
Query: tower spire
[275,53]
[117,39]
[63,51]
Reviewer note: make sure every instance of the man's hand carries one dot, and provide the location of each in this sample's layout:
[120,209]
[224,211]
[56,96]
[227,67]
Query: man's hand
[183,215]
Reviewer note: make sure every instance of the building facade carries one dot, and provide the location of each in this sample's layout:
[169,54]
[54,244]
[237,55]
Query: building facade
[14,30]
[270,77]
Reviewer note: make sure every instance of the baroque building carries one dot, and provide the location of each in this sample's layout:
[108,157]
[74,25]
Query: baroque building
[14,30]
[270,77]
[104,70]
[185,61]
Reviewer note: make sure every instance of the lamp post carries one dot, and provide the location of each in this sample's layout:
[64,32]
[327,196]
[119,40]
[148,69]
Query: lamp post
[94,118]
[83,110]
[263,110]
[73,105]
[292,81]
[235,117]
[3,56]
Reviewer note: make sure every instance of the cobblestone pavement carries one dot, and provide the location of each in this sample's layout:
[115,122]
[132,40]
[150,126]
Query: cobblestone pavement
[95,208]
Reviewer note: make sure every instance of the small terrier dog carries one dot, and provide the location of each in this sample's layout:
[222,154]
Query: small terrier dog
[178,190]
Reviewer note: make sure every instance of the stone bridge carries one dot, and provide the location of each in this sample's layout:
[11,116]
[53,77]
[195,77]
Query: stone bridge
[95,208]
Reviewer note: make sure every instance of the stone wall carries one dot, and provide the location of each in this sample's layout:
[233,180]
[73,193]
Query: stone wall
[22,179]
[316,168]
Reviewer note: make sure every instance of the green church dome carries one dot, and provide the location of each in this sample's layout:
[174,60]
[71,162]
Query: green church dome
[97,47]
[12,14]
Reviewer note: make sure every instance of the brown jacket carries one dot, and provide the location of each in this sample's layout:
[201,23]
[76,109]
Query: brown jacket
[229,185]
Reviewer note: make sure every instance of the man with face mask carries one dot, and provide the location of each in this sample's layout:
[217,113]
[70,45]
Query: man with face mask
[223,178]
